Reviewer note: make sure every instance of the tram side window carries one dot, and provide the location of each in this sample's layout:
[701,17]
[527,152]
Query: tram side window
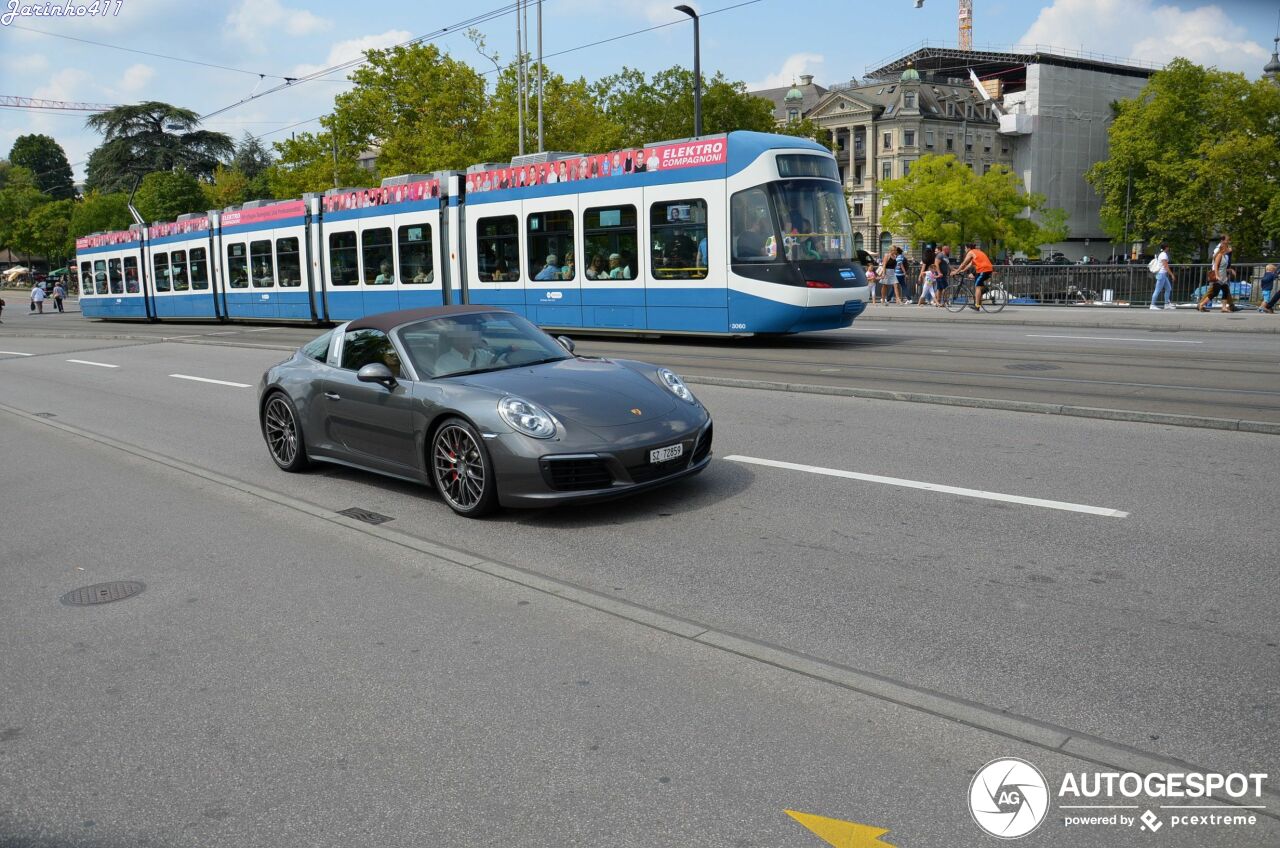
[178,270]
[100,276]
[678,239]
[609,236]
[754,235]
[550,245]
[378,260]
[263,267]
[199,269]
[131,285]
[365,347]
[117,278]
[343,259]
[131,276]
[289,261]
[160,262]
[237,267]
[497,249]
[416,263]
[86,278]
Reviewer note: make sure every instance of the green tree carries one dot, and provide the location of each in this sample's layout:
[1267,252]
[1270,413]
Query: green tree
[945,202]
[229,187]
[252,157]
[571,119]
[17,200]
[138,140]
[99,213]
[164,195]
[47,161]
[307,164]
[46,231]
[1192,156]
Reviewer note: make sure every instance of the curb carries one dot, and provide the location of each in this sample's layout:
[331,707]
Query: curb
[1204,422]
[1080,325]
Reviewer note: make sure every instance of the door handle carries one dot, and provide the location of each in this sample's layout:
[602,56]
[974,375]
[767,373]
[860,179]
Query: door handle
[333,396]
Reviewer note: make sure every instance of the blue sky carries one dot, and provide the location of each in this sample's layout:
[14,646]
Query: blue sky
[766,42]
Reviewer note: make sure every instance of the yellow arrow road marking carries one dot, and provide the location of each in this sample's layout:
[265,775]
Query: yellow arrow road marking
[841,834]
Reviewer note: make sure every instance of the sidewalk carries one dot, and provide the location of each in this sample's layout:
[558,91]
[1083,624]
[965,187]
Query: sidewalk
[1185,319]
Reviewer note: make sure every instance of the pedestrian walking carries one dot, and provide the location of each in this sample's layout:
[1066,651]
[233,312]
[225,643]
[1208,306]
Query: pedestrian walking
[1,309]
[1220,273]
[871,283]
[58,294]
[927,278]
[37,299]
[1269,305]
[942,263]
[1164,279]
[901,265]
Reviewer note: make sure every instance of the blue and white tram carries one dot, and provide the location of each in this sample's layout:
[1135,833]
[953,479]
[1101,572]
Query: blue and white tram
[110,275]
[738,234]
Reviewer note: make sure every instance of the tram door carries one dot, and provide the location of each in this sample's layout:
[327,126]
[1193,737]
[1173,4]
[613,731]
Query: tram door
[552,254]
[494,252]
[613,290]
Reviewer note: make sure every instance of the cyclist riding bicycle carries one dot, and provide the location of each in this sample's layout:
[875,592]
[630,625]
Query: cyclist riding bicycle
[981,264]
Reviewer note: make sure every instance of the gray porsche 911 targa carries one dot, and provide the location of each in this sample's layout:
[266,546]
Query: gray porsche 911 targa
[483,405]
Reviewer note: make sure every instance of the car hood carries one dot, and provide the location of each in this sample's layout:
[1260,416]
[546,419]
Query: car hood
[591,392]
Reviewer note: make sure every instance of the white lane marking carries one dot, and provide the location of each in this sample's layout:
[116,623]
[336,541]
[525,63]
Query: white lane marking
[87,362]
[1112,339]
[871,329]
[934,487]
[261,330]
[828,370]
[175,338]
[943,350]
[15,353]
[216,382]
[227,333]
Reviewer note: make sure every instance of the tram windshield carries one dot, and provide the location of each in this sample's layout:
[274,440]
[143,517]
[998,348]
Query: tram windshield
[808,218]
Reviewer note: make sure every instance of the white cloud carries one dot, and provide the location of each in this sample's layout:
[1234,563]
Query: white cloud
[29,63]
[345,51]
[1159,33]
[792,67]
[66,84]
[135,78]
[252,21]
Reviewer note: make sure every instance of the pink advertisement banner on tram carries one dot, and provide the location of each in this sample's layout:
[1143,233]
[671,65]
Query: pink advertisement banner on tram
[104,239]
[665,157]
[365,198]
[173,228]
[274,212]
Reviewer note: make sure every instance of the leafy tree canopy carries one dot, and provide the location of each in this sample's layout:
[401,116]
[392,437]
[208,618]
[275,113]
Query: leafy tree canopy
[47,161]
[152,136]
[1192,156]
[18,198]
[97,213]
[252,157]
[945,202]
[164,195]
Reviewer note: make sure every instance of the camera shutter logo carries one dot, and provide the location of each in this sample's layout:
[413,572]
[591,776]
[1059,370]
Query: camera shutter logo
[1008,798]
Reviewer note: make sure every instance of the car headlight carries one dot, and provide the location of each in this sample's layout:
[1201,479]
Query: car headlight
[673,382]
[528,418]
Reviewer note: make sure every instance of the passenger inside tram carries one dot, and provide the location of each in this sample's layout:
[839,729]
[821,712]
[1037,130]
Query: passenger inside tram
[598,269]
[385,277]
[617,269]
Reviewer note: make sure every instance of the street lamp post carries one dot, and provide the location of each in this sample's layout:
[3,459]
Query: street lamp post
[697,73]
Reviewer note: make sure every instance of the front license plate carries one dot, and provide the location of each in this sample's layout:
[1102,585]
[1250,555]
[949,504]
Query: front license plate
[664,454]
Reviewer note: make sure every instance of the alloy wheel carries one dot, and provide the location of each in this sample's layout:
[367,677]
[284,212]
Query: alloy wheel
[459,467]
[281,431]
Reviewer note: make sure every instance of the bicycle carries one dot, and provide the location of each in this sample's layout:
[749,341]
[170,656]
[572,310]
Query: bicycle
[994,296]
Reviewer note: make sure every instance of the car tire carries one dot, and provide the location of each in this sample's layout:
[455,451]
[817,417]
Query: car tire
[283,433]
[462,469]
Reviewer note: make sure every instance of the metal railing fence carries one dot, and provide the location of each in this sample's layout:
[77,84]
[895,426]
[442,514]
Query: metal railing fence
[1118,285]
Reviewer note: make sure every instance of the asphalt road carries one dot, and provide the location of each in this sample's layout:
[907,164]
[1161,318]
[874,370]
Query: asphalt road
[1147,623]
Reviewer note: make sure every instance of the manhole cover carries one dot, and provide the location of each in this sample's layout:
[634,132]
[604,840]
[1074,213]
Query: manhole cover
[103,593]
[368,516]
[1033,366]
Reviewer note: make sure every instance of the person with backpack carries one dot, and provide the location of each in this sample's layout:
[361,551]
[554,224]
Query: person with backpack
[1164,278]
[1220,278]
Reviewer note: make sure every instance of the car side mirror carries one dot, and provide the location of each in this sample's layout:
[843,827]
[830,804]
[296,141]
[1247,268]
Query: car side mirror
[565,342]
[376,372]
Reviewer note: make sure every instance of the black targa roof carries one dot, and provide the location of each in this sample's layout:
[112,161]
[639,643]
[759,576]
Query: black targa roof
[386,321]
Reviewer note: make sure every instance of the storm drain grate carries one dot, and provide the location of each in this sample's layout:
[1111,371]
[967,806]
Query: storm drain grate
[44,415]
[102,593]
[1033,366]
[368,516]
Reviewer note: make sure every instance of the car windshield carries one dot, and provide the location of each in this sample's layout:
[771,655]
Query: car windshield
[483,341]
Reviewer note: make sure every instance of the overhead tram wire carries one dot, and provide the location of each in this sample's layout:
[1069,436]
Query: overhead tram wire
[483,17]
[147,53]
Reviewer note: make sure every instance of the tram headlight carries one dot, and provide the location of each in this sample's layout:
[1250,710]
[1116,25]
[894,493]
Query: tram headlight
[676,386]
[527,417]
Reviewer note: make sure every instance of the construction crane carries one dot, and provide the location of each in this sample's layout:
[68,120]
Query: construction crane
[966,22]
[12,102]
